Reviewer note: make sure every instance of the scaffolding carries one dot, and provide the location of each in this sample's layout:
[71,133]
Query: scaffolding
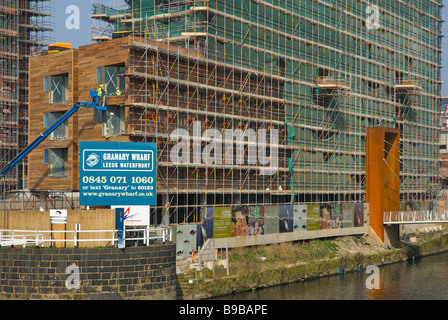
[311,69]
[24,31]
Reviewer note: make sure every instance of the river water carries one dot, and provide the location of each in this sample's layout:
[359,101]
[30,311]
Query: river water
[422,279]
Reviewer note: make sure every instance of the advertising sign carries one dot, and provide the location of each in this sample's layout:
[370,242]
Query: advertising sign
[117,173]
[240,225]
[207,224]
[222,222]
[286,219]
[325,216]
[256,220]
[185,240]
[58,216]
[300,217]
[135,215]
[348,210]
[313,217]
[337,216]
[359,215]
[271,216]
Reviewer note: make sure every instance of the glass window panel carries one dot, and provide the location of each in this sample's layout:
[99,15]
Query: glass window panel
[59,86]
[111,121]
[46,156]
[99,75]
[46,84]
[111,79]
[61,132]
[58,162]
[121,78]
[46,120]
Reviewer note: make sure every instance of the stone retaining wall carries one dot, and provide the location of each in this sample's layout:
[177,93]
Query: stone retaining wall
[103,273]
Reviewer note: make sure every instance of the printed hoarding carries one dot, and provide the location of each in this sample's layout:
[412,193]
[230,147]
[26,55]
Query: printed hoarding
[358,215]
[325,216]
[337,216]
[222,222]
[313,217]
[348,215]
[207,223]
[256,220]
[186,241]
[271,216]
[286,216]
[300,217]
[240,224]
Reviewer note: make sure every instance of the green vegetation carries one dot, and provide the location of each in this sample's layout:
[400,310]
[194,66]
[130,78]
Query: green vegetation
[284,252]
[263,266]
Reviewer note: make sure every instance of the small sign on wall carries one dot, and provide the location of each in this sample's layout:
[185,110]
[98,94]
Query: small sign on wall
[135,215]
[58,216]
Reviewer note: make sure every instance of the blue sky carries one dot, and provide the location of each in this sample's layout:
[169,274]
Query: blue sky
[77,37]
[82,36]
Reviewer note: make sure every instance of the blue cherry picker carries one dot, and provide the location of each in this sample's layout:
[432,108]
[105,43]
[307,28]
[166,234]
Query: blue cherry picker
[98,103]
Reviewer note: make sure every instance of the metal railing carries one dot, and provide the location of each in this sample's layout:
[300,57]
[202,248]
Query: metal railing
[38,238]
[417,216]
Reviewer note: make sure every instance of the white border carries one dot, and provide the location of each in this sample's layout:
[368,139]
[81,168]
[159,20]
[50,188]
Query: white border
[119,151]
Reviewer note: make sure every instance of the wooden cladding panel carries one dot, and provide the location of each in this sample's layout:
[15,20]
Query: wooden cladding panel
[92,57]
[39,103]
[81,66]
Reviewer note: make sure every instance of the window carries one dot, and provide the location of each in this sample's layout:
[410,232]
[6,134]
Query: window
[59,89]
[46,84]
[399,76]
[61,132]
[443,143]
[46,156]
[112,77]
[99,116]
[113,121]
[99,75]
[322,72]
[58,162]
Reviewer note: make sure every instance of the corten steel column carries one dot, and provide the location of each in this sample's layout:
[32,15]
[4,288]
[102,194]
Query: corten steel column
[382,176]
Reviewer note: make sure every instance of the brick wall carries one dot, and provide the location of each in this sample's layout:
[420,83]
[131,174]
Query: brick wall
[104,273]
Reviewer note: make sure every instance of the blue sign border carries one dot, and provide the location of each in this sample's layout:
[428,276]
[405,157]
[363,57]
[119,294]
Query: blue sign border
[117,173]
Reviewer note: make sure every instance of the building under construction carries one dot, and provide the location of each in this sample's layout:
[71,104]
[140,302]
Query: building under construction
[318,71]
[24,32]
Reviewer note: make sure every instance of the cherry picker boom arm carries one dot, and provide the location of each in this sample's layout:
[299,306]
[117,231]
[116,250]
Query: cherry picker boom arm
[94,104]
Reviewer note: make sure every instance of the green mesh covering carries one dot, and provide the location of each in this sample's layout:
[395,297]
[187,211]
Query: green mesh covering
[308,44]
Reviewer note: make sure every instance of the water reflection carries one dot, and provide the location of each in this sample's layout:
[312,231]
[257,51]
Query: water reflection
[422,279]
